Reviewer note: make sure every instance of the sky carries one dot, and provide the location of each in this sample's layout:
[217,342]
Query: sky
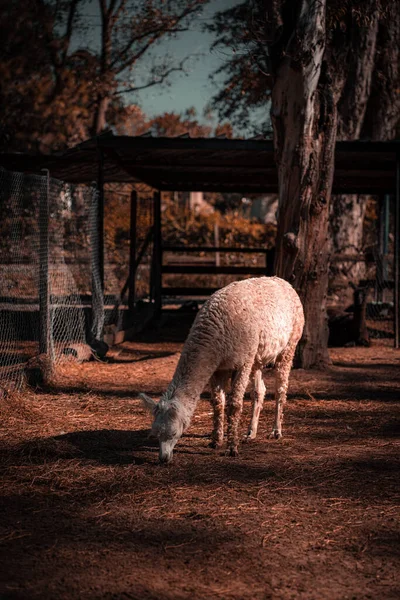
[192,89]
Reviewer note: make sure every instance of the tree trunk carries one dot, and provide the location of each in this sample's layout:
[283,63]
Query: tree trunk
[99,121]
[346,227]
[383,109]
[303,114]
[369,106]
[348,211]
[105,75]
[352,104]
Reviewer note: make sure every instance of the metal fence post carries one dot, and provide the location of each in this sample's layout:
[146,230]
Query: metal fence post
[44,299]
[97,252]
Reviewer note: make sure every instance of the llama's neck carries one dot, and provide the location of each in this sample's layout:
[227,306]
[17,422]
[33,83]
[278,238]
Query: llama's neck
[193,372]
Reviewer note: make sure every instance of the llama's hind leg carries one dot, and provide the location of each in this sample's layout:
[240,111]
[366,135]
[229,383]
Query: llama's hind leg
[218,383]
[257,396]
[239,384]
[283,367]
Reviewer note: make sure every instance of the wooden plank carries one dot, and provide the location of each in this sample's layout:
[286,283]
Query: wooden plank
[188,291]
[213,270]
[214,249]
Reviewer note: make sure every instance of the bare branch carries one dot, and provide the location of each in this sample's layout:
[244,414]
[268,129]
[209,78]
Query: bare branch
[155,81]
[135,57]
[116,15]
[111,7]
[155,33]
[103,8]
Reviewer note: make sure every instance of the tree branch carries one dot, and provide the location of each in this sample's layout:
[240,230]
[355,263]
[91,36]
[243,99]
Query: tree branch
[111,7]
[156,33]
[103,8]
[68,33]
[114,17]
[135,57]
[155,81]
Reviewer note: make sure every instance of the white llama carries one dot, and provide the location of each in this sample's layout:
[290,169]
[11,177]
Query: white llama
[240,329]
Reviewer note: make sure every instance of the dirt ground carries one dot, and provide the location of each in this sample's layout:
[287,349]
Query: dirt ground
[87,513]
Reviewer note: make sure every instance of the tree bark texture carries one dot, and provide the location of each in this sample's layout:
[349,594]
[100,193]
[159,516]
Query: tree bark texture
[368,107]
[105,73]
[383,108]
[346,227]
[303,114]
[353,101]
[348,211]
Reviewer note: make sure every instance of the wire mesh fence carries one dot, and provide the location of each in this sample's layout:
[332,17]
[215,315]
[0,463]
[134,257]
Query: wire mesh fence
[45,271]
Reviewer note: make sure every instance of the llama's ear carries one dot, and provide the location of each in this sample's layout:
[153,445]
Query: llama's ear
[148,402]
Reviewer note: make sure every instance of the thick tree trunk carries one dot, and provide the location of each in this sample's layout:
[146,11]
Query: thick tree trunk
[304,119]
[317,66]
[369,106]
[383,109]
[348,211]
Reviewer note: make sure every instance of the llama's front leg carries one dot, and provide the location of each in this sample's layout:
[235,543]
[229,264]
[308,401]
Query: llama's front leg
[219,383]
[257,396]
[283,366]
[239,385]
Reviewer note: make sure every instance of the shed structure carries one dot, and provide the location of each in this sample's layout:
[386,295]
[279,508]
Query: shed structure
[203,164]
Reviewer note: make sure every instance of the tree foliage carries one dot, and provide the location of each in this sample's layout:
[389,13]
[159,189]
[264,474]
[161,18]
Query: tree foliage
[256,33]
[171,124]
[246,77]
[57,89]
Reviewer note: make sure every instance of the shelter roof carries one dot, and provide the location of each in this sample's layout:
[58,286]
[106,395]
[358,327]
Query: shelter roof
[207,164]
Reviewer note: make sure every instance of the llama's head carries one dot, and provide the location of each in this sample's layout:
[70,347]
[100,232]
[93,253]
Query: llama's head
[167,425]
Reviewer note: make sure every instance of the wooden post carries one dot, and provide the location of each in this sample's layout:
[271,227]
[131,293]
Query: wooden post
[44,300]
[132,252]
[100,218]
[270,262]
[157,255]
[396,256]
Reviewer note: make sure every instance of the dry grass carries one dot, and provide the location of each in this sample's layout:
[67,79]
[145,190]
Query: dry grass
[88,511]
